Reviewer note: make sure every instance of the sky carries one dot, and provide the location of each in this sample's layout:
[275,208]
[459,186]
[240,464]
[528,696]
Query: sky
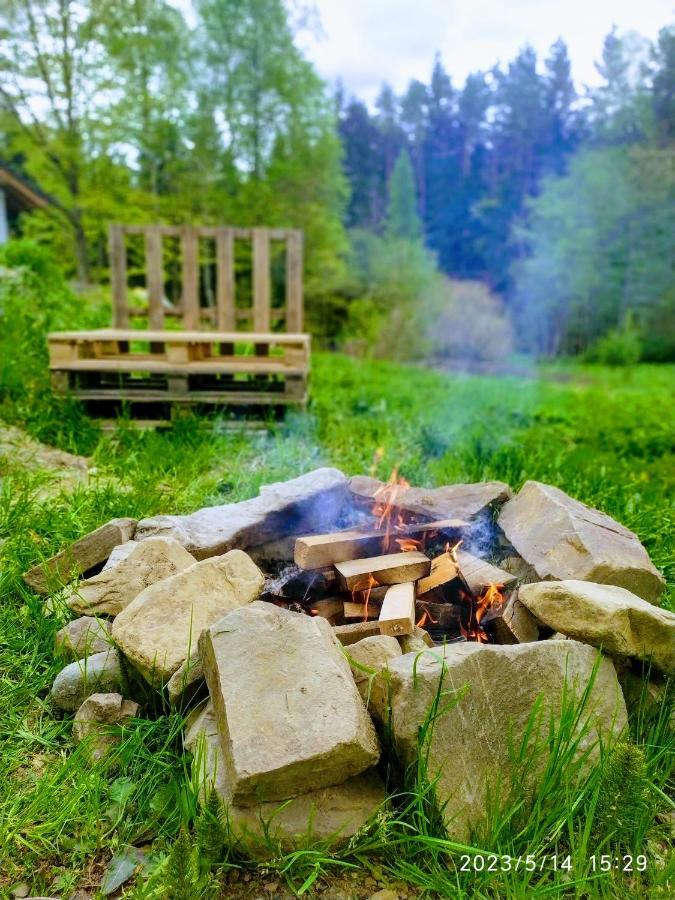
[366,42]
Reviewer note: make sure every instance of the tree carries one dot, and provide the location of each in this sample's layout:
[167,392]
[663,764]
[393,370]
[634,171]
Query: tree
[663,85]
[402,219]
[52,81]
[364,162]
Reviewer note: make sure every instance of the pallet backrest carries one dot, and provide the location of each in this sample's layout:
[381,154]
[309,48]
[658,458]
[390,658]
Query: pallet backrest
[224,315]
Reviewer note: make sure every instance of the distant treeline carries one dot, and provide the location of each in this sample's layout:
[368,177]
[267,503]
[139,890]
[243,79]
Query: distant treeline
[564,204]
[561,206]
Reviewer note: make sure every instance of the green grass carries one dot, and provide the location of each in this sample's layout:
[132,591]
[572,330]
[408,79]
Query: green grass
[605,436]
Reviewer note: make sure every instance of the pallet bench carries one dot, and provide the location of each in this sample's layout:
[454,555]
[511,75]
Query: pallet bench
[185,368]
[192,367]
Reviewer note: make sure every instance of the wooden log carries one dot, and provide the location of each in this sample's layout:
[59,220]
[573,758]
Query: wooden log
[443,570]
[365,611]
[393,568]
[331,608]
[81,556]
[350,634]
[479,574]
[512,624]
[317,550]
[261,280]
[397,615]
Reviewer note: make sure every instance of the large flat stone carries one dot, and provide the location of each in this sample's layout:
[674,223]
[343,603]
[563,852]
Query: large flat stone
[309,503]
[289,715]
[497,688]
[113,589]
[84,554]
[605,616]
[160,628]
[453,501]
[100,673]
[562,538]
[331,814]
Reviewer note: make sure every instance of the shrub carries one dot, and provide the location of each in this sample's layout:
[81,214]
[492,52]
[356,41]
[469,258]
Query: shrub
[619,347]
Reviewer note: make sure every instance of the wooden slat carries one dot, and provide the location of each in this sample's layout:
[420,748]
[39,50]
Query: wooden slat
[294,299]
[132,334]
[261,279]
[118,276]
[231,398]
[240,365]
[356,574]
[190,269]
[154,274]
[225,319]
[397,616]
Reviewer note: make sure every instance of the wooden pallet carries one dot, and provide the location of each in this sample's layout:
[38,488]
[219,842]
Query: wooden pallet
[181,367]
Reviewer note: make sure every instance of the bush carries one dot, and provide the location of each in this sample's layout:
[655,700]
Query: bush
[619,347]
[469,325]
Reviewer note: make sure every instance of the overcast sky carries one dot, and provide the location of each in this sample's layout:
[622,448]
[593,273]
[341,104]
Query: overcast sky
[365,42]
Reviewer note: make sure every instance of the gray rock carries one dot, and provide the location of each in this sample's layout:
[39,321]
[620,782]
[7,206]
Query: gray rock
[95,718]
[83,637]
[497,690]
[159,630]
[89,551]
[114,588]
[562,538]
[100,673]
[119,553]
[605,616]
[311,502]
[289,715]
[369,656]
[331,814]
[186,680]
[453,501]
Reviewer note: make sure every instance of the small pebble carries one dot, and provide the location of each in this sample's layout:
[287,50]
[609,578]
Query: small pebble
[21,890]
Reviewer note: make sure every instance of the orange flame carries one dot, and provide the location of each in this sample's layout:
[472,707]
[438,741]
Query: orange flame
[490,599]
[384,506]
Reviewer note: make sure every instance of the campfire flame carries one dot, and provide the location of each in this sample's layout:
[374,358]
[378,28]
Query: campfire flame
[491,599]
[384,507]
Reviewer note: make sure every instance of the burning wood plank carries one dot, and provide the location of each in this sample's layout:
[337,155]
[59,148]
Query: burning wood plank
[319,550]
[328,609]
[350,634]
[367,610]
[479,574]
[397,615]
[512,624]
[443,570]
[394,568]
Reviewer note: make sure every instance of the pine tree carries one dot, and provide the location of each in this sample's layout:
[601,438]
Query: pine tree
[402,220]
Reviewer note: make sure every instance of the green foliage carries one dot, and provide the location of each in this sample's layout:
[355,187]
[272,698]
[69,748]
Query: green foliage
[181,873]
[623,796]
[402,221]
[210,833]
[619,347]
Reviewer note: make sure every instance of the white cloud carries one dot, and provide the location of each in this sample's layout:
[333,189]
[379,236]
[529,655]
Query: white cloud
[366,42]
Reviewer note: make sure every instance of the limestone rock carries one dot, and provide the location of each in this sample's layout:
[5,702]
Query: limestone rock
[309,503]
[186,681]
[100,673]
[94,719]
[289,715]
[83,637]
[89,551]
[453,501]
[372,653]
[562,538]
[607,616]
[113,589]
[119,553]
[331,814]
[498,686]
[160,628]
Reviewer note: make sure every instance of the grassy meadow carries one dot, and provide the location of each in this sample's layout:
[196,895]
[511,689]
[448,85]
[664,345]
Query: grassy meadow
[603,435]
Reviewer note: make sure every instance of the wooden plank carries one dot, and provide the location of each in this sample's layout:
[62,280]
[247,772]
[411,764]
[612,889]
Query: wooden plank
[352,610]
[225,298]
[393,568]
[149,363]
[294,275]
[443,570]
[154,278]
[261,280]
[190,277]
[118,276]
[330,608]
[397,615]
[350,634]
[318,550]
[512,624]
[131,334]
[479,574]
[217,398]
